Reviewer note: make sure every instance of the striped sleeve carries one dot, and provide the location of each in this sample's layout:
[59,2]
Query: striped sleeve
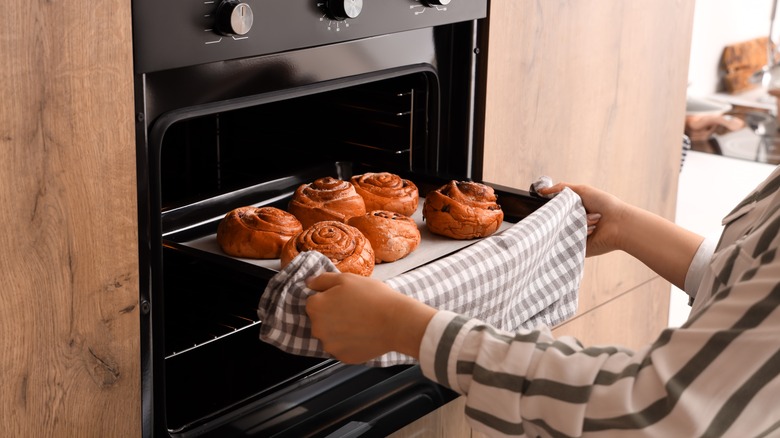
[717,375]
[698,266]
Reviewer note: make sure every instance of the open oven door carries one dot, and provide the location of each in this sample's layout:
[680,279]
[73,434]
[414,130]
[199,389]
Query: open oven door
[331,407]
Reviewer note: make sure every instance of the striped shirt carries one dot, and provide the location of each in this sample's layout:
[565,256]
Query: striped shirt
[717,375]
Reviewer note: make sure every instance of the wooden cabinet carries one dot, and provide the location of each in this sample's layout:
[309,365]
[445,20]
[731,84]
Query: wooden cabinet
[592,92]
[446,422]
[69,261]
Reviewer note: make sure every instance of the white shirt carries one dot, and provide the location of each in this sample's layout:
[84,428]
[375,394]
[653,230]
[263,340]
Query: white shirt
[717,375]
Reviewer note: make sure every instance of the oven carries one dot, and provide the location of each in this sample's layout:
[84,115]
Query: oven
[238,102]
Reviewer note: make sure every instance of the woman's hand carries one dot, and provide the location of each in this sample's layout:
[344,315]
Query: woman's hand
[605,216]
[358,318]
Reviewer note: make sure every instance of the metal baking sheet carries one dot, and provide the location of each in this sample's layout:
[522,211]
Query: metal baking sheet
[431,247]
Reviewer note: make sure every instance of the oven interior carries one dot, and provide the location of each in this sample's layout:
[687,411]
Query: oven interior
[391,122]
[257,152]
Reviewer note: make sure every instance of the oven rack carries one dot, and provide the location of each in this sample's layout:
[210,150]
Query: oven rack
[215,338]
[206,301]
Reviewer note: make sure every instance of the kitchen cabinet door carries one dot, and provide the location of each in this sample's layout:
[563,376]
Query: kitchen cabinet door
[591,91]
[446,422]
[69,310]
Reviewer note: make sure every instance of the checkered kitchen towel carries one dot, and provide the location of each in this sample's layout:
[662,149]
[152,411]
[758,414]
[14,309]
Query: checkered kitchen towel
[527,275]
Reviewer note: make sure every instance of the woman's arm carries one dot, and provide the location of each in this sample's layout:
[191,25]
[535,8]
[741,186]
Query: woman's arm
[356,325]
[663,246]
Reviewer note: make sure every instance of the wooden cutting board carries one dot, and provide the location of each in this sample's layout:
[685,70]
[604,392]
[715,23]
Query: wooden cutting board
[740,61]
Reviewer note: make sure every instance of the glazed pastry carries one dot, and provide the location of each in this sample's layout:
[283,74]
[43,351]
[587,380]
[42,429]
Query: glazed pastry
[256,232]
[326,199]
[392,235]
[387,191]
[462,210]
[343,244]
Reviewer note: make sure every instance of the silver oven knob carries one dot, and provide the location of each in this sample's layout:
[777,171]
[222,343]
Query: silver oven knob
[431,3]
[343,9]
[234,18]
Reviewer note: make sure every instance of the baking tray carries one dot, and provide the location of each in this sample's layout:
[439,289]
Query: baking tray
[195,227]
[431,247]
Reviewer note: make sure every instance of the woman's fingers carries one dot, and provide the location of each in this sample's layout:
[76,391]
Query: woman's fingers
[592,219]
[556,188]
[324,281]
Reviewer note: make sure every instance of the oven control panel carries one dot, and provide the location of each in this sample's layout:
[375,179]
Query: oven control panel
[171,34]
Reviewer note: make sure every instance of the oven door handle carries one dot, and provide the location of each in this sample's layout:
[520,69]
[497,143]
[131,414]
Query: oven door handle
[351,429]
[393,415]
[376,411]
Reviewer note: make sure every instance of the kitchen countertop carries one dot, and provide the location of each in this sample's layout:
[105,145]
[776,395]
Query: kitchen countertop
[758,141]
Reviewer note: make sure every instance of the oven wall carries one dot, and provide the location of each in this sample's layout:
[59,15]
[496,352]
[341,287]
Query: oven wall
[69,310]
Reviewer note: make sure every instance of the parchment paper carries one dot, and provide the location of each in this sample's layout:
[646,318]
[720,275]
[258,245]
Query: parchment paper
[431,248]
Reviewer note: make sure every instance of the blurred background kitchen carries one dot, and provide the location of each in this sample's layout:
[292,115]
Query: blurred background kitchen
[731,115]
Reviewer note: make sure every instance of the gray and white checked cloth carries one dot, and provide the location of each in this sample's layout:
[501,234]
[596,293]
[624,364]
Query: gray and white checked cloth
[525,276]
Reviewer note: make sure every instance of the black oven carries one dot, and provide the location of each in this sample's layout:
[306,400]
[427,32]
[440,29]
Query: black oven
[238,102]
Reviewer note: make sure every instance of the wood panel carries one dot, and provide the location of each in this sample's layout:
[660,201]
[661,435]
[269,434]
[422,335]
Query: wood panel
[609,275]
[68,252]
[593,92]
[633,319]
[590,92]
[445,422]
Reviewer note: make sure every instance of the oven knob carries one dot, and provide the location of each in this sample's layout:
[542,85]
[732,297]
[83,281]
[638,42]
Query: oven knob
[343,9]
[432,3]
[234,18]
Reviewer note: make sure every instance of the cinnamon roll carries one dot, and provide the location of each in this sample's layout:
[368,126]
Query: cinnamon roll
[387,191]
[462,210]
[392,235]
[326,199]
[256,232]
[343,244]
